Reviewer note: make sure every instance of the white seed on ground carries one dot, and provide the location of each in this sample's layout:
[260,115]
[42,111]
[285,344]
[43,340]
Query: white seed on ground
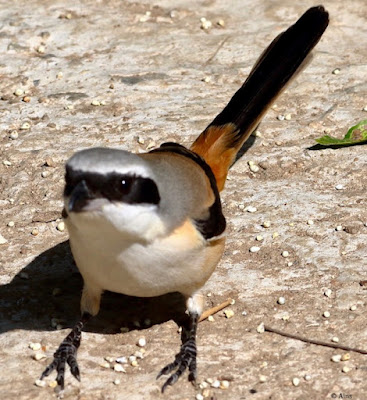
[206,79]
[141,140]
[205,24]
[203,385]
[209,294]
[41,49]
[35,232]
[353,307]
[229,313]
[288,117]
[59,75]
[206,393]
[326,314]
[134,363]
[2,239]
[18,92]
[109,359]
[259,238]
[209,380]
[121,360]
[257,134]
[26,99]
[295,381]
[339,187]
[95,103]
[40,383]
[241,206]
[44,174]
[142,342]
[34,346]
[345,357]
[328,292]
[263,378]
[254,168]
[335,339]
[105,364]
[254,249]
[275,235]
[266,224]
[139,355]
[14,135]
[39,356]
[310,222]
[103,103]
[118,368]
[280,117]
[364,108]
[308,377]
[199,396]
[336,71]
[260,328]
[251,209]
[215,384]
[345,369]
[221,22]
[285,317]
[52,384]
[211,318]
[336,358]
[285,253]
[116,382]
[233,301]
[224,385]
[339,228]
[7,163]
[61,226]
[244,313]
[25,126]
[281,300]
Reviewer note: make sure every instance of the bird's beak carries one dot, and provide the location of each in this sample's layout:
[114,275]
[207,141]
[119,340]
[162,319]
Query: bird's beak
[79,197]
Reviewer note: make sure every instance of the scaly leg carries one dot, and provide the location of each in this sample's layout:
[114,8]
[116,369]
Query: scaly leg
[66,353]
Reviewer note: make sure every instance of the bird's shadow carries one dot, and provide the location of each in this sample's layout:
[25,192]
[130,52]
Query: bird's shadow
[48,291]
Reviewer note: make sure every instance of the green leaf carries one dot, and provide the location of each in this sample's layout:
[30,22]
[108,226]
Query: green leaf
[356,135]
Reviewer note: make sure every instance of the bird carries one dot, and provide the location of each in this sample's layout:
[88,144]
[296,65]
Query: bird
[150,224]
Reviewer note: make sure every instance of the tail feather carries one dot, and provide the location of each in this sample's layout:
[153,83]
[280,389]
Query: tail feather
[220,142]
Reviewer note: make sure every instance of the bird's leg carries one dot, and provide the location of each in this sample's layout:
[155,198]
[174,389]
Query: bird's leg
[66,353]
[186,358]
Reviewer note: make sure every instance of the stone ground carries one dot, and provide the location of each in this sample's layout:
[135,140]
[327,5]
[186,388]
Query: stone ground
[163,78]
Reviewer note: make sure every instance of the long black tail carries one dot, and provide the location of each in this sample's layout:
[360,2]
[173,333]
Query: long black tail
[222,139]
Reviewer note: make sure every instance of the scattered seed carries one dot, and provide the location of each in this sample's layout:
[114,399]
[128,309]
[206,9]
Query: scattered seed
[259,238]
[335,339]
[310,222]
[254,168]
[215,384]
[206,393]
[266,224]
[221,23]
[141,140]
[295,381]
[281,300]
[105,364]
[14,135]
[39,356]
[229,313]
[263,378]
[308,377]
[203,385]
[251,209]
[116,382]
[7,163]
[34,346]
[40,383]
[364,108]
[151,145]
[59,75]
[35,232]
[139,355]
[134,363]
[285,253]
[121,360]
[26,99]
[132,358]
[206,79]
[61,226]
[25,126]
[209,380]
[339,187]
[353,307]
[339,228]
[275,235]
[205,24]
[18,92]
[241,206]
[11,224]
[119,368]
[41,49]
[95,103]
[44,174]
[142,342]
[109,359]
[224,385]
[336,358]
[336,71]
[52,384]
[327,292]
[2,239]
[257,134]
[326,314]
[244,313]
[290,263]
[280,117]
[254,249]
[345,357]
[103,103]
[345,369]
[261,328]
[211,318]
[199,396]
[288,117]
